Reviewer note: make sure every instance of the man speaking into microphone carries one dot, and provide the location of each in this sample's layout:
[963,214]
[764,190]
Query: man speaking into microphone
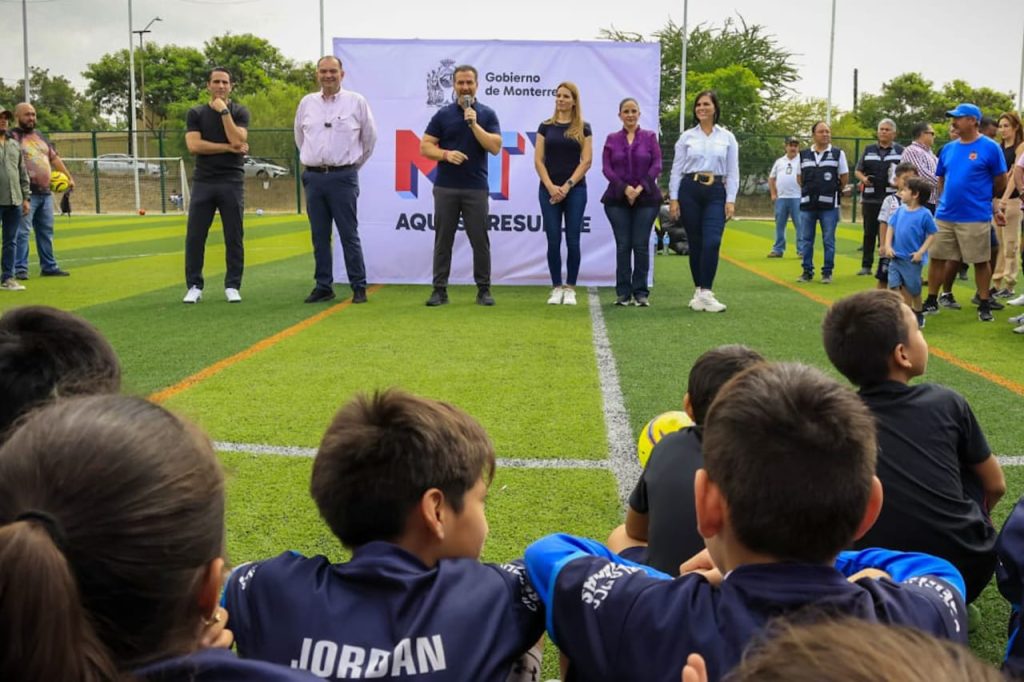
[459,137]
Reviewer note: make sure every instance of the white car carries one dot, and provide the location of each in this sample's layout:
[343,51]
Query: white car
[122,164]
[263,168]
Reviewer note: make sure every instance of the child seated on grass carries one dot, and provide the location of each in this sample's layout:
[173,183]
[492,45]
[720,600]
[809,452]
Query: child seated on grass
[901,173]
[111,537]
[401,480]
[46,353]
[660,517]
[940,477]
[788,481]
[1010,579]
[911,233]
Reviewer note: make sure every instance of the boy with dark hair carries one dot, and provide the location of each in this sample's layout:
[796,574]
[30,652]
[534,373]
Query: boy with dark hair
[911,232]
[660,517]
[788,481]
[401,480]
[900,173]
[940,477]
[46,353]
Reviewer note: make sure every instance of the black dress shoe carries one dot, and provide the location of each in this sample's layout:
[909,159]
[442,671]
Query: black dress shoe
[54,273]
[359,295]
[438,297]
[318,295]
[483,296]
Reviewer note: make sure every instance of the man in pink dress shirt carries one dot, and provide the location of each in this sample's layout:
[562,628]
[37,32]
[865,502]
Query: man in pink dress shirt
[335,134]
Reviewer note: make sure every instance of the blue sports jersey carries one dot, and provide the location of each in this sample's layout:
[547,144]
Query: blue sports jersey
[910,230]
[620,621]
[969,171]
[1010,579]
[385,614]
[217,665]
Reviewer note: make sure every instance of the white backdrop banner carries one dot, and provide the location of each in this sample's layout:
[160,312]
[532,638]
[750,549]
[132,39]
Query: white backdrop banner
[406,81]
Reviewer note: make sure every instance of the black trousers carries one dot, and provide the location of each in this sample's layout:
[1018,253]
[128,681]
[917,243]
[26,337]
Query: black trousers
[472,205]
[227,198]
[870,213]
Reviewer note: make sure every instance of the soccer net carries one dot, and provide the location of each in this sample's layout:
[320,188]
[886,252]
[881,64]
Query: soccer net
[106,184]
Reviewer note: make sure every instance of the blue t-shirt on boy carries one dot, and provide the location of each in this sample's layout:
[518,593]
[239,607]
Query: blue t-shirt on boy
[910,228]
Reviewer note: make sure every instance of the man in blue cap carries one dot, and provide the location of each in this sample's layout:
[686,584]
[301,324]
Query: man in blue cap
[971,171]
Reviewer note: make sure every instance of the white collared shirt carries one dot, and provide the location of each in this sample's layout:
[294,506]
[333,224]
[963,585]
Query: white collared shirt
[349,138]
[697,152]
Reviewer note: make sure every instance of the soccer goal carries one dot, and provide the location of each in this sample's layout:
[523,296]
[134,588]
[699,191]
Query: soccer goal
[106,184]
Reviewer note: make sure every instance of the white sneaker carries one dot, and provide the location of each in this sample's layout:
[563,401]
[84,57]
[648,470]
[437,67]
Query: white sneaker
[556,296]
[1016,319]
[11,284]
[1016,301]
[193,295]
[232,295]
[569,298]
[1019,330]
[697,302]
[711,304]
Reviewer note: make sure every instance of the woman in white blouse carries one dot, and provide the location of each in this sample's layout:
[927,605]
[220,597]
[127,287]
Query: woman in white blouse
[702,189]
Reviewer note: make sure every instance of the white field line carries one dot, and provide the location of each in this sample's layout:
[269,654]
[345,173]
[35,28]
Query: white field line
[622,454]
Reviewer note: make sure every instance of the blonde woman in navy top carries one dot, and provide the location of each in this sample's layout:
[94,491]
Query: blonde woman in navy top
[702,189]
[631,162]
[563,153]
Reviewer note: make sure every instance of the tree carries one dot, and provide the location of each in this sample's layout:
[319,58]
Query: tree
[254,63]
[990,102]
[58,105]
[907,99]
[172,73]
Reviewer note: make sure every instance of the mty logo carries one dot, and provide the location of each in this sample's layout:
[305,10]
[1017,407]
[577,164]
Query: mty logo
[410,164]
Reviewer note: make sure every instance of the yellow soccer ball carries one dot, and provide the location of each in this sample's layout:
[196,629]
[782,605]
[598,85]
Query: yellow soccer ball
[59,182]
[658,428]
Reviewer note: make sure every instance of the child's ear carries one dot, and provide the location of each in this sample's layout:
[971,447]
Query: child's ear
[900,359]
[432,512]
[210,587]
[873,509]
[710,505]
[688,406]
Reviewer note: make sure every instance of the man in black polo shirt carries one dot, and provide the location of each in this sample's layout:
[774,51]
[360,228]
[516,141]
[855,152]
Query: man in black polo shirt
[873,170]
[217,135]
[459,136]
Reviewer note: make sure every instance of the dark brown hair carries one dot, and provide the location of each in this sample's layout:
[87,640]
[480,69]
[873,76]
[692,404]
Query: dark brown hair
[713,96]
[860,333]
[46,353]
[921,188]
[793,453]
[111,509]
[382,452]
[854,650]
[710,372]
[904,167]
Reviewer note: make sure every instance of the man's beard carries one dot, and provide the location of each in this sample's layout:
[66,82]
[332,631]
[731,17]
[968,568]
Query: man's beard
[27,127]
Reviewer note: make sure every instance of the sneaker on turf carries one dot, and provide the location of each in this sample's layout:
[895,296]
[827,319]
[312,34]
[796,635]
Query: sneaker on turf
[642,302]
[483,296]
[775,254]
[557,296]
[569,297]
[920,319]
[11,284]
[930,307]
[711,304]
[232,295]
[439,296]
[22,275]
[826,279]
[697,302]
[985,313]
[947,300]
[1016,319]
[623,300]
[1005,293]
[863,271]
[1019,330]
[993,304]
[359,295]
[193,295]
[805,277]
[1017,301]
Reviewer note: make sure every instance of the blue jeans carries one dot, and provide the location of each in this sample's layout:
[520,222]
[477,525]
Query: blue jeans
[702,212]
[785,210]
[631,226]
[10,216]
[828,218]
[40,219]
[570,209]
[332,197]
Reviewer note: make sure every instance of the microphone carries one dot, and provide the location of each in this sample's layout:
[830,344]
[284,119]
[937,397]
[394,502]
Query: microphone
[466,102]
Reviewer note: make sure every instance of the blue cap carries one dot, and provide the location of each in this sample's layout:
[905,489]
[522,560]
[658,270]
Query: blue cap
[965,109]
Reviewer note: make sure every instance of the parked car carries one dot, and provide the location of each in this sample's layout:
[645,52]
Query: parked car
[121,164]
[263,168]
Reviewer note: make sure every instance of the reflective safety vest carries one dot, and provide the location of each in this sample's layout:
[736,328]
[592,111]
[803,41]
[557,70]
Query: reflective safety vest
[819,180]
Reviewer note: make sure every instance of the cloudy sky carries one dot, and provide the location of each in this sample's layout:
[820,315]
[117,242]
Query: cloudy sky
[880,38]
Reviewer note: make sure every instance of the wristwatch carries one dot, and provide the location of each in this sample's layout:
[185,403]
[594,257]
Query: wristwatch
[225,111]
[570,183]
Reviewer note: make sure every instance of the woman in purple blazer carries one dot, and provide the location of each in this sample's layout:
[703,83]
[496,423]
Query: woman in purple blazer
[632,163]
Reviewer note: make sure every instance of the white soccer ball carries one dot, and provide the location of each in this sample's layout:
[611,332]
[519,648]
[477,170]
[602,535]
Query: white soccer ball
[259,211]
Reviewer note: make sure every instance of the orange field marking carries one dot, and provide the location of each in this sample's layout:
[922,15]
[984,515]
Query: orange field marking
[264,344]
[1008,384]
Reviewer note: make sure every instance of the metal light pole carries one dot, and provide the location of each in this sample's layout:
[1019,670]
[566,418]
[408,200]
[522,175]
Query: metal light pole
[132,118]
[682,78]
[321,30]
[24,38]
[1020,86]
[142,79]
[831,53]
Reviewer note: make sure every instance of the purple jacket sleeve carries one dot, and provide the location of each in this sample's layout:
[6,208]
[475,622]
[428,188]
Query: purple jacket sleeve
[650,181]
[616,185]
